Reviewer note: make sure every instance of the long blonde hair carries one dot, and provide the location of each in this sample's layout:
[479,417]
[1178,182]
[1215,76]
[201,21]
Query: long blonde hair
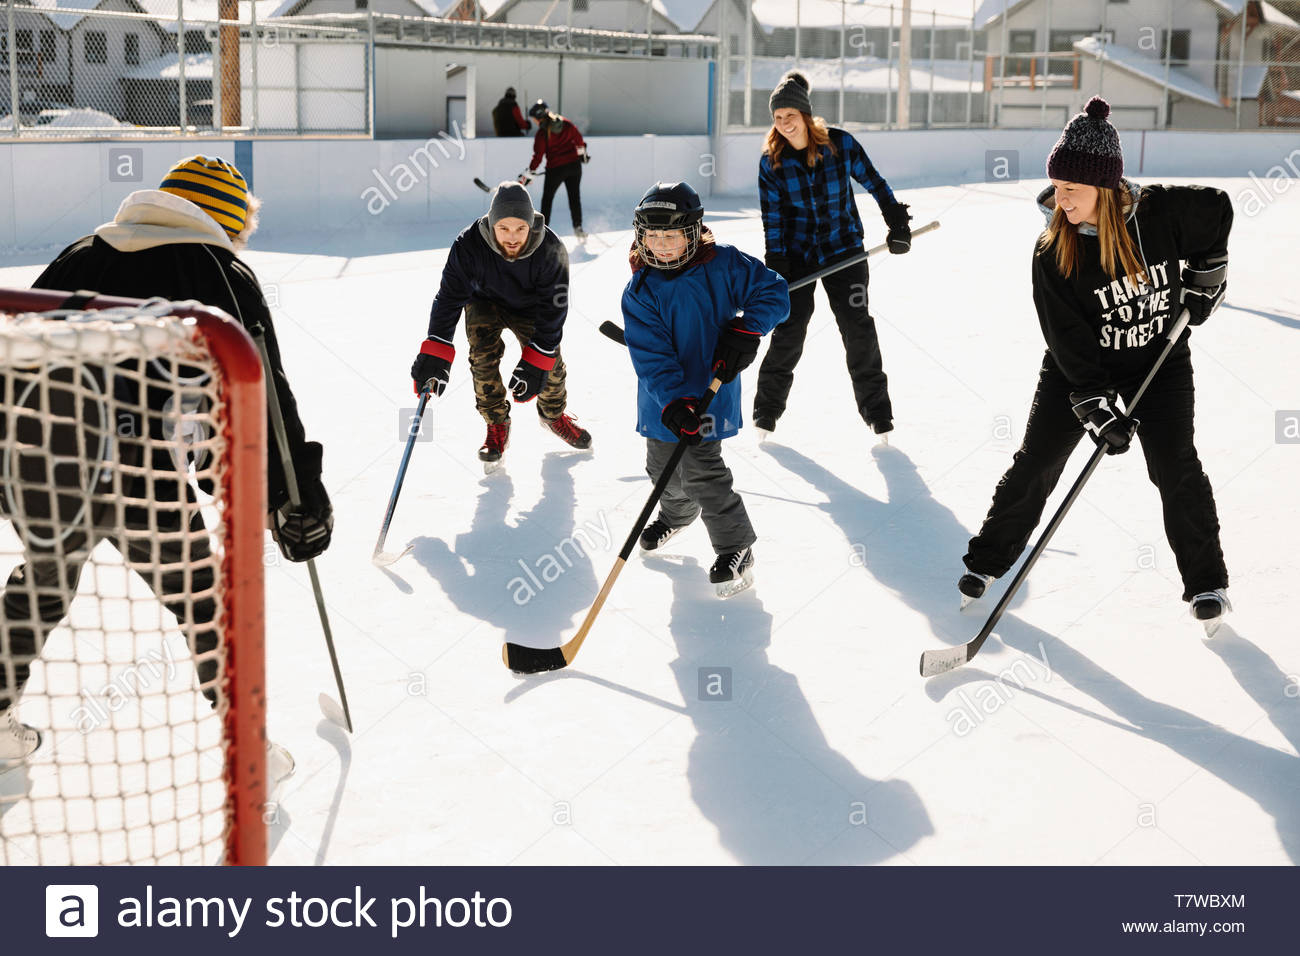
[818,136]
[1119,254]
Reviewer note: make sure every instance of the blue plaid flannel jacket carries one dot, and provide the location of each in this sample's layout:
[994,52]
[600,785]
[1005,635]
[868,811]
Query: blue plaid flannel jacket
[809,214]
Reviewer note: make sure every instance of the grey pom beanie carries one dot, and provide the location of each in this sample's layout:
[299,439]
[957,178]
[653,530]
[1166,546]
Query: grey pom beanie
[791,93]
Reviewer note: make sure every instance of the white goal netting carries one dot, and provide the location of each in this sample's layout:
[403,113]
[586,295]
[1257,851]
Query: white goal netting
[117,635]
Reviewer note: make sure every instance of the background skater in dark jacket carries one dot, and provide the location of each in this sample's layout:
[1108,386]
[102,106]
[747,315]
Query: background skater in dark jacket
[507,120]
[507,271]
[565,151]
[1107,287]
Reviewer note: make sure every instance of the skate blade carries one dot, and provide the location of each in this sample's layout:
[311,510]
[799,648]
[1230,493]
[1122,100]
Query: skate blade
[883,439]
[731,588]
[966,601]
[763,435]
[1212,627]
[384,559]
[492,467]
[280,765]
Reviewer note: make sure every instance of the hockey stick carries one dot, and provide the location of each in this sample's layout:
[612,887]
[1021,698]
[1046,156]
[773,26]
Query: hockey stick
[482,185]
[535,660]
[381,557]
[615,332]
[950,658]
[295,500]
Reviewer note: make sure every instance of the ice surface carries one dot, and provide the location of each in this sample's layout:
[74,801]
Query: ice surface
[1138,742]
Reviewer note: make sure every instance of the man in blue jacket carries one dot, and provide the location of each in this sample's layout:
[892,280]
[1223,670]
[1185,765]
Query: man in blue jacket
[692,310]
[507,270]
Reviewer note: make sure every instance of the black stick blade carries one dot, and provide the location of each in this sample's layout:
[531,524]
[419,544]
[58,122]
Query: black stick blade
[532,660]
[482,185]
[614,332]
[948,659]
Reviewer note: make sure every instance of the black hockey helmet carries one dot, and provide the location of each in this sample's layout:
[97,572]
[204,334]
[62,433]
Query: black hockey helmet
[668,206]
[539,110]
[510,92]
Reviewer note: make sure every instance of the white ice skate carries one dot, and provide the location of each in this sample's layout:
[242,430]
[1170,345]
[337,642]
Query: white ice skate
[1208,607]
[17,741]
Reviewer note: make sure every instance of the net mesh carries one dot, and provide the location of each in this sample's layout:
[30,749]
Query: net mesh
[113,641]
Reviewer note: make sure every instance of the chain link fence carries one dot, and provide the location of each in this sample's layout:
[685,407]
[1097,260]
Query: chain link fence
[77,72]
[1161,63]
[194,67]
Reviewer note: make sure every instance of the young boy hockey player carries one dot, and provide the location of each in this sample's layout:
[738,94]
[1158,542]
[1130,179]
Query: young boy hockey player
[695,309]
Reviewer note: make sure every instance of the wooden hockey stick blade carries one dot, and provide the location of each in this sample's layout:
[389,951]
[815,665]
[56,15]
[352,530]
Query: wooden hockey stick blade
[482,185]
[614,331]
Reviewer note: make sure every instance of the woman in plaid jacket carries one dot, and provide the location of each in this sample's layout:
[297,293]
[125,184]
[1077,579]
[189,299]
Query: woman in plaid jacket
[810,221]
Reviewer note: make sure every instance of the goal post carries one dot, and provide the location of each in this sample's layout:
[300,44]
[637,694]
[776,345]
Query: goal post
[132,519]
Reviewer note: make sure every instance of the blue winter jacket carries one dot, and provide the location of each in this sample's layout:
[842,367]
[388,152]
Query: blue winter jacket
[672,322]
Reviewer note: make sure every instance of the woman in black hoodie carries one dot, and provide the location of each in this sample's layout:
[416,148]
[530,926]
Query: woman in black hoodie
[1107,287]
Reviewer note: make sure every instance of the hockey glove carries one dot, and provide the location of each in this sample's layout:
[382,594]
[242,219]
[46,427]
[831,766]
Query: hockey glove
[1205,283]
[1104,419]
[530,374]
[680,419]
[900,233]
[735,352]
[304,532]
[433,365]
[583,154]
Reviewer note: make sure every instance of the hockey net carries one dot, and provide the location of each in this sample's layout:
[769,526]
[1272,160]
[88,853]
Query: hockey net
[131,449]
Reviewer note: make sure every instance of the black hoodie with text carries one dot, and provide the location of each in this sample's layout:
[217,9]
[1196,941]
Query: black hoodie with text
[1102,331]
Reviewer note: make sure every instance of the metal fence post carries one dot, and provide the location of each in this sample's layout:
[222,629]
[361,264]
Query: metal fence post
[181,93]
[1241,63]
[14,106]
[218,81]
[254,48]
[889,72]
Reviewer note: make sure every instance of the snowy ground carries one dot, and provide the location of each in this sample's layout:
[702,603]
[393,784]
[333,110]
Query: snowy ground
[1096,727]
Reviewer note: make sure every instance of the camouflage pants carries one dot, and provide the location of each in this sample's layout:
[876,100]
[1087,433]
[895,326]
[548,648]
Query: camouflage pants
[484,323]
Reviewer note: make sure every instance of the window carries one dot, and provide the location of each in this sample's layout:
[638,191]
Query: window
[579,6]
[131,49]
[48,50]
[1179,46]
[1020,41]
[96,46]
[1062,42]
[363,4]
[196,42]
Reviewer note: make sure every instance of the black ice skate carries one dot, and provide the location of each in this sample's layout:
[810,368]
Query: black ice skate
[733,572]
[972,587]
[1208,607]
[656,533]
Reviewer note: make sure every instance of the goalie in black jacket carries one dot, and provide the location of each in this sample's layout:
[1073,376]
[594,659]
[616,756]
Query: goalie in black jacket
[177,242]
[1108,285]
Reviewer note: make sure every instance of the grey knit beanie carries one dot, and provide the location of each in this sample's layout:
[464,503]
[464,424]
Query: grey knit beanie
[510,201]
[791,93]
[1088,151]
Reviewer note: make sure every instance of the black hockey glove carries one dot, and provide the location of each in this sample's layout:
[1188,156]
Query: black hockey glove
[1205,283]
[433,365]
[304,532]
[680,418]
[1104,420]
[735,352]
[779,264]
[531,373]
[900,233]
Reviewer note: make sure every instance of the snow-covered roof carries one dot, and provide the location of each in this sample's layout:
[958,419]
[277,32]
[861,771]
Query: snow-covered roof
[686,14]
[198,66]
[1252,81]
[829,14]
[1145,68]
[1292,95]
[869,73]
[66,14]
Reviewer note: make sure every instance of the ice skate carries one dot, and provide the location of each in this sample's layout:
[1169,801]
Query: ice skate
[280,765]
[17,741]
[657,533]
[1208,607]
[972,587]
[567,428]
[733,572]
[764,425]
[494,446]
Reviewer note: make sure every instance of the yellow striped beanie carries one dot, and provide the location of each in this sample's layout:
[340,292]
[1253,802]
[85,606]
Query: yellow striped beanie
[215,186]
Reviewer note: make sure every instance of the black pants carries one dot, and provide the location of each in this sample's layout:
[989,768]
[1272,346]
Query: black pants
[570,174]
[1166,436]
[847,292]
[155,523]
